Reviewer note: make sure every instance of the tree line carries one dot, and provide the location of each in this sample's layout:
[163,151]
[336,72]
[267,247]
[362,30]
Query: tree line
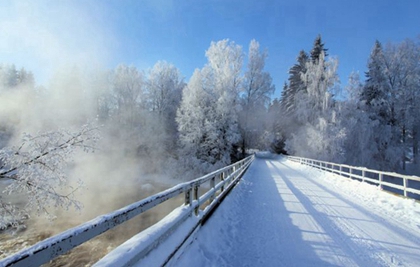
[152,117]
[372,123]
[185,129]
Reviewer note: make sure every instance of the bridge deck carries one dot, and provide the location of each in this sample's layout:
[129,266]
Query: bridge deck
[285,214]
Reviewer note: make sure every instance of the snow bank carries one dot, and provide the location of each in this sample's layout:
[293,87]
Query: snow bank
[386,203]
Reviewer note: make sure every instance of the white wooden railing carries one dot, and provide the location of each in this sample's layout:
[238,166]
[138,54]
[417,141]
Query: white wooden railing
[220,182]
[385,180]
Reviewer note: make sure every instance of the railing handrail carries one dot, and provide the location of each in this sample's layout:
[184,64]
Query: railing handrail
[52,247]
[405,188]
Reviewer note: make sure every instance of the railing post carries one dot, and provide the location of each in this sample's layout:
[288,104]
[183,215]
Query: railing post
[380,180]
[188,197]
[351,173]
[405,186]
[363,175]
[196,199]
[222,178]
[212,185]
[341,170]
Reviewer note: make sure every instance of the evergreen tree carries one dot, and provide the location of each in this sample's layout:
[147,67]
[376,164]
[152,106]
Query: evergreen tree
[285,94]
[11,78]
[296,84]
[315,133]
[317,49]
[375,90]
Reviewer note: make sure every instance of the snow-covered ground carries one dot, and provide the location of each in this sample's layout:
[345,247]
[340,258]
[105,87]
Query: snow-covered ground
[286,214]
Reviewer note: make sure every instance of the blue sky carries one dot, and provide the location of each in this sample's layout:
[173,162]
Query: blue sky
[41,35]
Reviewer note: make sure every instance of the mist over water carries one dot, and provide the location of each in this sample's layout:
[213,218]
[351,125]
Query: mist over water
[113,176]
[66,85]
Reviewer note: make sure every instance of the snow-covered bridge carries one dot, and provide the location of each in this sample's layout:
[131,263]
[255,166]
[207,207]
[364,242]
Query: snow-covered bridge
[281,213]
[286,214]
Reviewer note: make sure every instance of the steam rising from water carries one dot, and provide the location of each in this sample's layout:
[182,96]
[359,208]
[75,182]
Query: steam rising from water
[65,57]
[112,176]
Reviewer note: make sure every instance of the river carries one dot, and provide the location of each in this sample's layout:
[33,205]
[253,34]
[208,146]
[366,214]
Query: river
[38,229]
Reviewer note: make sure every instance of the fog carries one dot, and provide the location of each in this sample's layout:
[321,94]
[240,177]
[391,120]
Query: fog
[116,174]
[55,78]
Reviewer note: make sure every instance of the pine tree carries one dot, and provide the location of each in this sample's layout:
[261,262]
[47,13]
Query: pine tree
[375,89]
[285,94]
[317,49]
[379,97]
[296,84]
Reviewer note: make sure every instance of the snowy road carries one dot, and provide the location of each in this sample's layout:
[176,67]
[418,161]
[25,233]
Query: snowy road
[286,214]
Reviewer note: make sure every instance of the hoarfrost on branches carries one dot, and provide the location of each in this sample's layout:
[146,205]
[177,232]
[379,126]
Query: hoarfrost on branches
[37,169]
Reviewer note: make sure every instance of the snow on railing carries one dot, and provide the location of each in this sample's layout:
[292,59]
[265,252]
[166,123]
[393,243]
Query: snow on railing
[390,181]
[221,181]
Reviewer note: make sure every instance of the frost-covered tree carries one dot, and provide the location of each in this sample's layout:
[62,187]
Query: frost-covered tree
[164,88]
[194,126]
[12,78]
[127,85]
[354,88]
[401,70]
[258,85]
[320,80]
[288,99]
[163,95]
[223,74]
[296,83]
[209,106]
[275,128]
[36,169]
[390,94]
[359,129]
[318,134]
[376,90]
[257,88]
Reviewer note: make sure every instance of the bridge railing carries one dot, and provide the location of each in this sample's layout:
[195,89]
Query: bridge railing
[405,185]
[220,182]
